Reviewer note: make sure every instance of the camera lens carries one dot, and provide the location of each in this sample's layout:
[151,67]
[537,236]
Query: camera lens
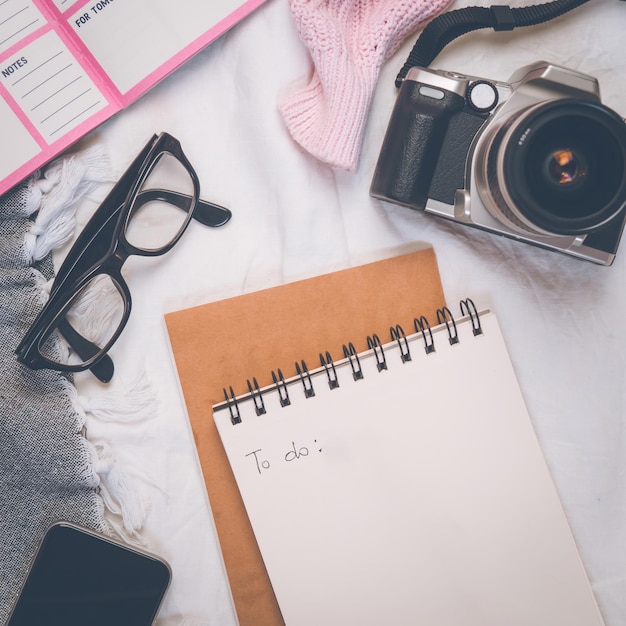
[563,166]
[567,168]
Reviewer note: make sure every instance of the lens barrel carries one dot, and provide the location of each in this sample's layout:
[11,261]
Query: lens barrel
[559,167]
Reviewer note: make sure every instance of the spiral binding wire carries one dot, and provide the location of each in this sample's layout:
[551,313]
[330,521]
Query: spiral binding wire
[331,372]
[422,326]
[469,308]
[281,388]
[351,356]
[305,376]
[233,406]
[445,317]
[257,396]
[350,353]
[397,334]
[374,343]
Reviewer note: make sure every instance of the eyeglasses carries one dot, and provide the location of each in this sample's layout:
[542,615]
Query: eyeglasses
[145,214]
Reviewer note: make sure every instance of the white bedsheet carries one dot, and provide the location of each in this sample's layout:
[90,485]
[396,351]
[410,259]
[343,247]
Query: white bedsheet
[563,319]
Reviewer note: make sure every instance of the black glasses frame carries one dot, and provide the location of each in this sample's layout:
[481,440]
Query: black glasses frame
[102,249]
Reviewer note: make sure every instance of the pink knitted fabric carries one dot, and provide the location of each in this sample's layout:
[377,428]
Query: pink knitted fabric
[348,41]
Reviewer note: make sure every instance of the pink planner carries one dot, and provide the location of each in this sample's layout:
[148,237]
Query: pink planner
[66,66]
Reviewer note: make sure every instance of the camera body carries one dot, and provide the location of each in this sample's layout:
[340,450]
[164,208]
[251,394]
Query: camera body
[539,158]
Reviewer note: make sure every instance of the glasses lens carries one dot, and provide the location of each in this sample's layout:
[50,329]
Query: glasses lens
[89,326]
[160,210]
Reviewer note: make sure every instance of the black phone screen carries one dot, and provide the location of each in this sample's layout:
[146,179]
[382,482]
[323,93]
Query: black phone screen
[82,578]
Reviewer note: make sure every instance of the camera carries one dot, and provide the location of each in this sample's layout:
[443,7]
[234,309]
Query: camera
[538,158]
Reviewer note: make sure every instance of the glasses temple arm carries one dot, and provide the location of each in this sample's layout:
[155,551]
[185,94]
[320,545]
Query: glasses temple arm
[103,369]
[206,213]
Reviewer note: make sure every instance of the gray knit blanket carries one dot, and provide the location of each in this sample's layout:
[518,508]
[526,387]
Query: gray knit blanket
[48,468]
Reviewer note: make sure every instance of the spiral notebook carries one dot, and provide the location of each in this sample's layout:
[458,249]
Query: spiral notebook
[404,484]
[221,342]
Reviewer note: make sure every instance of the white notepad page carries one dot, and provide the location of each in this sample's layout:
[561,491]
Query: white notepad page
[417,495]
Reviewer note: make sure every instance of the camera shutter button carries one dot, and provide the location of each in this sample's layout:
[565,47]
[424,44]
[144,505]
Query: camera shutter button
[482,96]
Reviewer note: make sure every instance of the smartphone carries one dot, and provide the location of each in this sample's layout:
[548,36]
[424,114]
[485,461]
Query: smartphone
[79,577]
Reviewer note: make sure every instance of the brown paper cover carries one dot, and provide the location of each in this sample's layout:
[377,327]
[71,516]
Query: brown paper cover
[225,343]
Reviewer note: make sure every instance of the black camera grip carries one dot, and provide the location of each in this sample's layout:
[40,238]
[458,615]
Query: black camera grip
[412,144]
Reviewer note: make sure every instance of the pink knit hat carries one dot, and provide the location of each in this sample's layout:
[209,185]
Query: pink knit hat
[348,41]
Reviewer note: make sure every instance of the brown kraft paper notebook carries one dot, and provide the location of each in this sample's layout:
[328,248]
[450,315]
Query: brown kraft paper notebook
[220,344]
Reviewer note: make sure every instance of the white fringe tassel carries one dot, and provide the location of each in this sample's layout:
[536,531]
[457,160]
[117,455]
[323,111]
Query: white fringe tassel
[136,404]
[55,195]
[119,498]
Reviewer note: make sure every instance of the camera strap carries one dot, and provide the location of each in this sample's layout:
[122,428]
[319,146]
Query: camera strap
[448,26]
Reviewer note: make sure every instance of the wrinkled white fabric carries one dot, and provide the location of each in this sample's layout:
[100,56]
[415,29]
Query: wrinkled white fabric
[293,217]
